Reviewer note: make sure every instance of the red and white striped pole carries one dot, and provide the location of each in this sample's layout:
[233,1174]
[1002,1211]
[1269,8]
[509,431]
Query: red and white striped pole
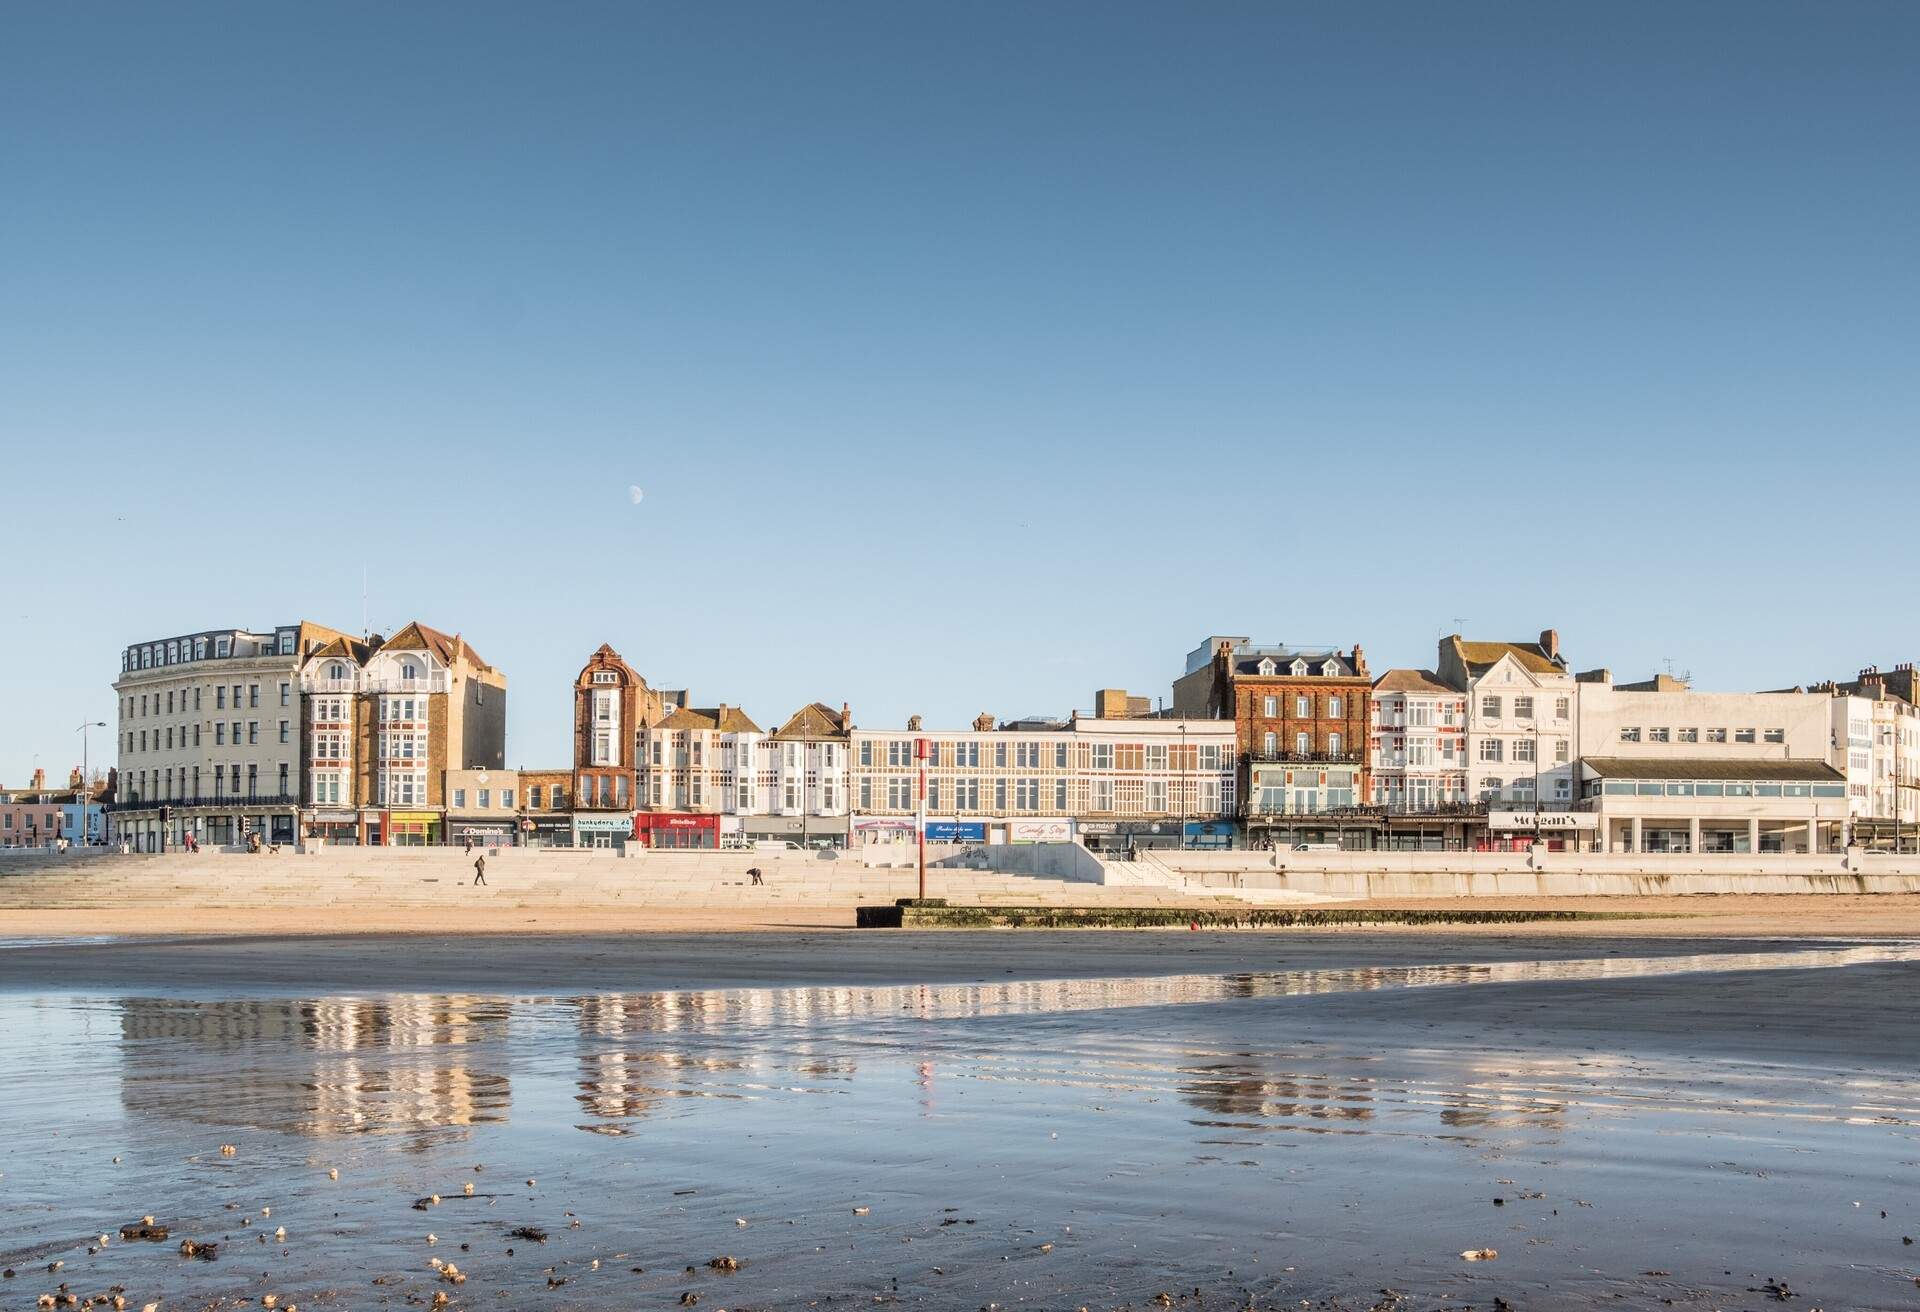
[920,811]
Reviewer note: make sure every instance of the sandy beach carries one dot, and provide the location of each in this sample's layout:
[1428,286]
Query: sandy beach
[1686,917]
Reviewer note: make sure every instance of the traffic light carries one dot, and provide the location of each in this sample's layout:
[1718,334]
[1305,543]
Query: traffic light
[166,815]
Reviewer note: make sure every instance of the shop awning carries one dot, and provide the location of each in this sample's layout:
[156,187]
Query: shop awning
[1706,767]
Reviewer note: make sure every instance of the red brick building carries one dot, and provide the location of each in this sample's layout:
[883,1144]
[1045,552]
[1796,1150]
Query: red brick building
[1301,717]
[611,704]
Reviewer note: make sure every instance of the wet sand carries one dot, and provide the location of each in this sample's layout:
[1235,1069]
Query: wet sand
[964,1120]
[1687,917]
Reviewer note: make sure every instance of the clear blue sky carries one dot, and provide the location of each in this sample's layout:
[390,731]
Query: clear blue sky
[970,356]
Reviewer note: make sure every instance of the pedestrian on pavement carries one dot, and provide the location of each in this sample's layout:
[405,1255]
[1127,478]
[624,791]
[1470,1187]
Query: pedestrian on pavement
[480,870]
[469,844]
[755,872]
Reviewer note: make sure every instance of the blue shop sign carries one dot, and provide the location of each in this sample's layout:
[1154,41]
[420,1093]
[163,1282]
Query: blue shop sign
[1209,829]
[956,831]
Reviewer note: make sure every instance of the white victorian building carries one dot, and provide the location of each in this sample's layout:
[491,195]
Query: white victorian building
[1522,736]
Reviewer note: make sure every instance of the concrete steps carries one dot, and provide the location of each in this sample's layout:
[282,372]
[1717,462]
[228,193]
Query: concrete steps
[533,879]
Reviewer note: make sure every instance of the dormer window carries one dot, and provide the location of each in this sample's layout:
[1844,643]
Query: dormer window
[1299,667]
[1266,665]
[1332,669]
[409,671]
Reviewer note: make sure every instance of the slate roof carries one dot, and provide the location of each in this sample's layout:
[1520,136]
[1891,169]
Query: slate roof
[418,637]
[722,719]
[1412,681]
[814,720]
[1245,661]
[1479,657]
[1803,770]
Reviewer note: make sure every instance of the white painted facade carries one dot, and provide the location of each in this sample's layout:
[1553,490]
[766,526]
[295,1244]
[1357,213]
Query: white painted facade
[1418,751]
[1522,736]
[1875,742]
[1694,770]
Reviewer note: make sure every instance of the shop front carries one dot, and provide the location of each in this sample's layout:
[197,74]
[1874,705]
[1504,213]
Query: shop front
[669,831]
[1040,831]
[598,829]
[1122,836]
[410,828]
[956,831]
[1560,831]
[896,830]
[1209,835]
[553,829]
[493,832]
[800,830]
[334,828]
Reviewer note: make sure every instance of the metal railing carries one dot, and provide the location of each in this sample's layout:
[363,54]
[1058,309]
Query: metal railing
[135,802]
[1307,758]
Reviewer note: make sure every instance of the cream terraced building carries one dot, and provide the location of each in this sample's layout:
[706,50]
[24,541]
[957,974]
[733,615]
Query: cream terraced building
[209,736]
[1114,782]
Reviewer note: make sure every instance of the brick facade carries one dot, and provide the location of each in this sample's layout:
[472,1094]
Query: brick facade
[611,704]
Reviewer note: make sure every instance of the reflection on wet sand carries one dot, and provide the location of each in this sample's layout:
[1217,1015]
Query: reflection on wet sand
[758,1008]
[844,1140]
[337,1066]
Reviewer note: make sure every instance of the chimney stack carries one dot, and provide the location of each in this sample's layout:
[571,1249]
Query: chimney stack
[1550,643]
[73,779]
[39,779]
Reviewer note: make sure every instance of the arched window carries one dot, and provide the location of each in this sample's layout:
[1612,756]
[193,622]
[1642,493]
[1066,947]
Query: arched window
[409,671]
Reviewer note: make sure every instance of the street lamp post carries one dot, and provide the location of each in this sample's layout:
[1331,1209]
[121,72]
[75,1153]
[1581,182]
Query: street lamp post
[85,785]
[1185,780]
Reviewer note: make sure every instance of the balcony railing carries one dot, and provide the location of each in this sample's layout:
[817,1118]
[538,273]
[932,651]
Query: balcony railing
[1255,811]
[1379,811]
[1307,758]
[135,802]
[426,683]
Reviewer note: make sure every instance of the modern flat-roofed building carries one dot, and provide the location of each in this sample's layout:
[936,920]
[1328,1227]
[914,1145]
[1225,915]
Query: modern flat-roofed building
[1668,769]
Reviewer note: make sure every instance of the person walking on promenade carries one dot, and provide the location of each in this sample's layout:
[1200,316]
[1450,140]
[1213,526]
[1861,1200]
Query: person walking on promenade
[469,844]
[480,870]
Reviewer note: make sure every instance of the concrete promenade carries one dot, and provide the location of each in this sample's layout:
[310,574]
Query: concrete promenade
[410,890]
